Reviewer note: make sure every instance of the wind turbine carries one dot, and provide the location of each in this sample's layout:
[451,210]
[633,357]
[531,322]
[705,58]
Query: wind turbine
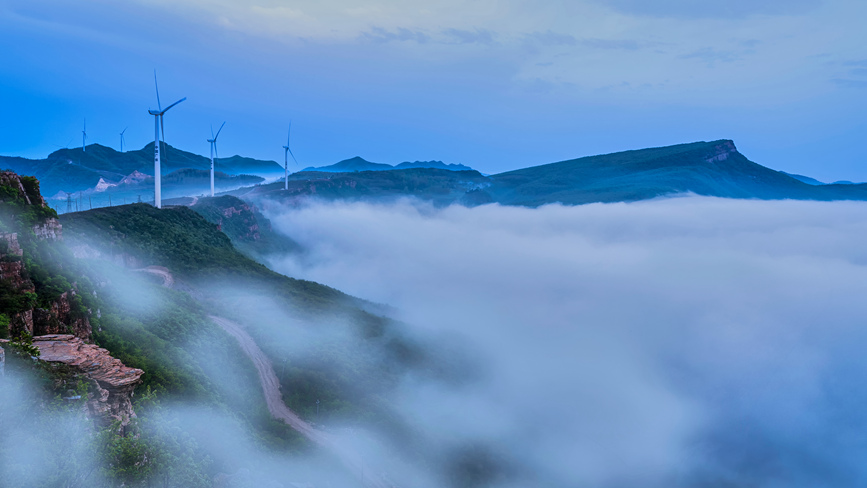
[286,152]
[158,127]
[121,139]
[84,136]
[213,142]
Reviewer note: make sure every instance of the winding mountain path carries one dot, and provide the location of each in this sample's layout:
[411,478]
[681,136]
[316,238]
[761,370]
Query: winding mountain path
[350,458]
[269,381]
[271,387]
[164,273]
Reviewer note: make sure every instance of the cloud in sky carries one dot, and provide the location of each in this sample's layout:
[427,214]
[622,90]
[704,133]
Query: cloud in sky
[676,342]
[729,9]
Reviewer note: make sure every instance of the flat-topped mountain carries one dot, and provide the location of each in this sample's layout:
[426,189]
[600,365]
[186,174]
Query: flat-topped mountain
[705,168]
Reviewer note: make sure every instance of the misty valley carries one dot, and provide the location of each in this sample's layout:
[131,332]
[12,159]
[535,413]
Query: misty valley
[667,317]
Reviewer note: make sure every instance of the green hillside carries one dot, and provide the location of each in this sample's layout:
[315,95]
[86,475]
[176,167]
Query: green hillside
[249,230]
[348,368]
[72,170]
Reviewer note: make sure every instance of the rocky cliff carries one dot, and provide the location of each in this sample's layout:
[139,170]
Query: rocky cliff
[34,272]
[114,382]
[23,209]
[56,318]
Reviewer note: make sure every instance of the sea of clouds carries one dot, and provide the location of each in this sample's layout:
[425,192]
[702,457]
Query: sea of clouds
[675,342]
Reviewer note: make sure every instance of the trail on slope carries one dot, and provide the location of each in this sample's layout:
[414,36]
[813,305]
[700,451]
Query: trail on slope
[164,273]
[271,387]
[274,399]
[269,381]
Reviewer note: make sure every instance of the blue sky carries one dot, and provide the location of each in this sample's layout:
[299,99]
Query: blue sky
[494,84]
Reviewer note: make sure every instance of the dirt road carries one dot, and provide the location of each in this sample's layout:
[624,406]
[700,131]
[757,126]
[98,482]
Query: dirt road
[271,387]
[268,379]
[168,279]
[351,459]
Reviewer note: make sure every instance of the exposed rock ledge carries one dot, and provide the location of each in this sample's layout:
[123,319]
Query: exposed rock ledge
[115,381]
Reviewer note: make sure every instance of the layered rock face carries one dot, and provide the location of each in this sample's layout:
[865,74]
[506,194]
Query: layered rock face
[115,382]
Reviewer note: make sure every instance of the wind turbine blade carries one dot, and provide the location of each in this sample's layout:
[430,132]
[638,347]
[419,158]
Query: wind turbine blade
[218,132]
[172,105]
[216,154]
[159,107]
[293,156]
[163,130]
[288,133]
[212,131]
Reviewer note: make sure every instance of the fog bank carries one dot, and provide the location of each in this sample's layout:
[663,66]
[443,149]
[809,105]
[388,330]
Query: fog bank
[684,341]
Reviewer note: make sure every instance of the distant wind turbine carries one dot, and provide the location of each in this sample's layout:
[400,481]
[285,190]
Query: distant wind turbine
[158,128]
[84,136]
[121,139]
[286,152]
[213,142]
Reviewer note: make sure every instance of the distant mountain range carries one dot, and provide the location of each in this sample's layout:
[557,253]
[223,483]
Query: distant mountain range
[73,170]
[704,168]
[359,164]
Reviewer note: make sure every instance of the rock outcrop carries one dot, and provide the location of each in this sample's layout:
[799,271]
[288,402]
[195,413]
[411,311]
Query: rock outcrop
[115,382]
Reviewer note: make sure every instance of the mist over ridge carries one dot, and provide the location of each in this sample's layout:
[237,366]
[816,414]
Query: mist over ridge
[672,342]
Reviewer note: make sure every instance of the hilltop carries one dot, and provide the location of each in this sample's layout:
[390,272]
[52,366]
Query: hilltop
[704,168]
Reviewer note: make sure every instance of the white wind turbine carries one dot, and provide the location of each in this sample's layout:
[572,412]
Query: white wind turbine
[213,142]
[121,138]
[286,153]
[158,127]
[84,136]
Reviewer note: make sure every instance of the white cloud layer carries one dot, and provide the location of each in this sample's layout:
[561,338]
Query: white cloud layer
[685,341]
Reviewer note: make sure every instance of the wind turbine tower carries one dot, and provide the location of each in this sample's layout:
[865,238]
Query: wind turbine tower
[286,153]
[158,127]
[121,138]
[213,142]
[84,137]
